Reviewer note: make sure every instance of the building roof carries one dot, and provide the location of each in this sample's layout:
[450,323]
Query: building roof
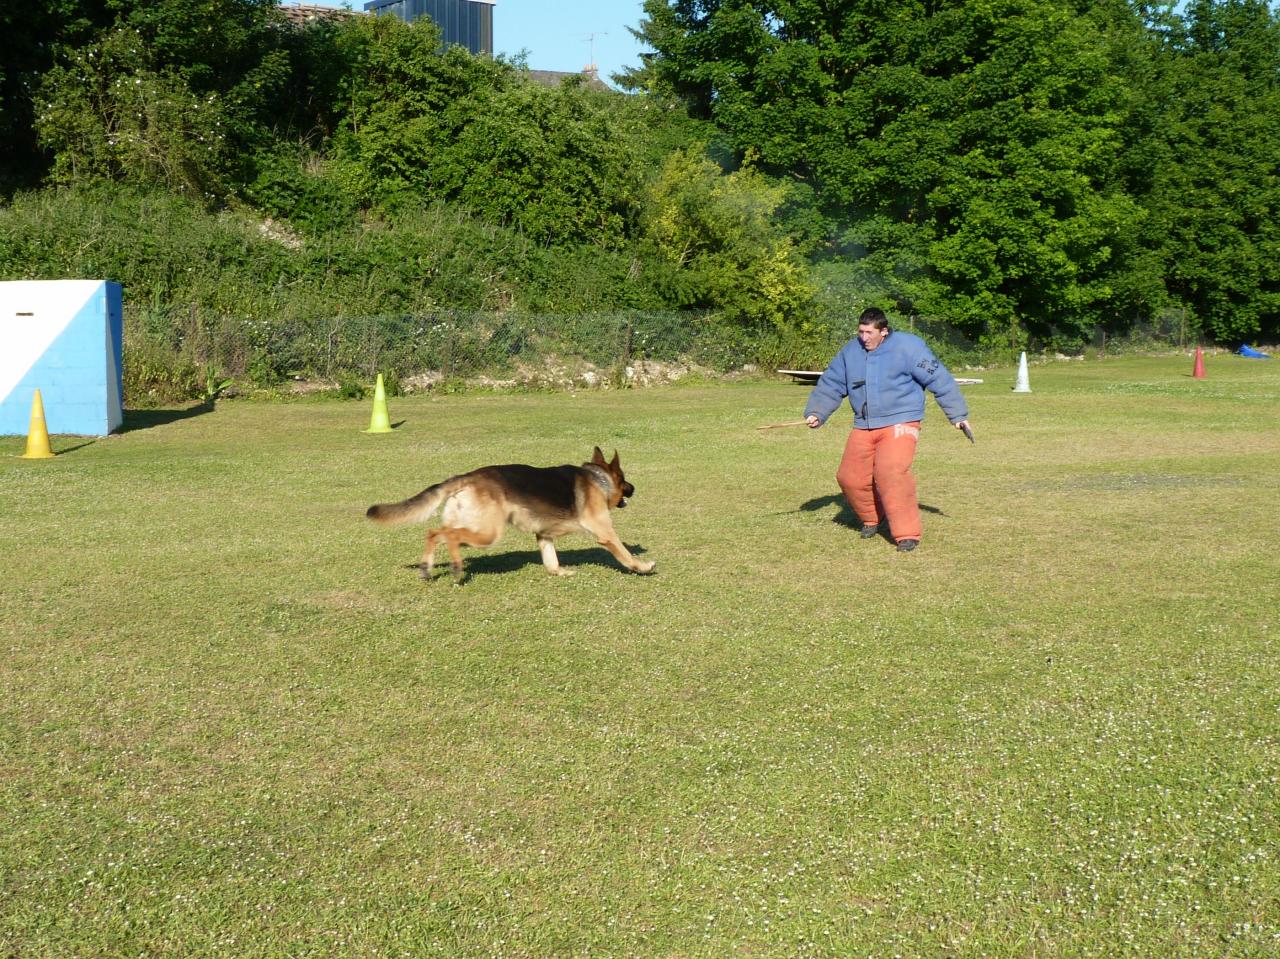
[300,14]
[553,78]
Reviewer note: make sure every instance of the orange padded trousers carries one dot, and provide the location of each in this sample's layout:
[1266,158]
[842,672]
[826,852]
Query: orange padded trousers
[875,474]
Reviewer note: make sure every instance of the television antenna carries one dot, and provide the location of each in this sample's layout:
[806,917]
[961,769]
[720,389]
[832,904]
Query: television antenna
[591,38]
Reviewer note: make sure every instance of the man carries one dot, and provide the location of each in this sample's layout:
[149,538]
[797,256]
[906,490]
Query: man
[884,373]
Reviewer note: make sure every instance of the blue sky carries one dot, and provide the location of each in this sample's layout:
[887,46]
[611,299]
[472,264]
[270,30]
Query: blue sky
[557,33]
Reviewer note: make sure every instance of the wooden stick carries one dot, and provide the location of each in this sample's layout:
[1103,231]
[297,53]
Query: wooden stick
[774,426]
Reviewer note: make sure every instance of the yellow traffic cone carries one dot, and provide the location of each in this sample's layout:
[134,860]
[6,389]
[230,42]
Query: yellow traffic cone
[380,422]
[37,434]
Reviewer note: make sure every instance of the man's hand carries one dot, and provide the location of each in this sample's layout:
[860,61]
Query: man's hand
[963,427]
[813,421]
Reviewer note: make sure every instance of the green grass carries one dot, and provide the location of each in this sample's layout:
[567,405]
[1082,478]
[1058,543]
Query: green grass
[233,722]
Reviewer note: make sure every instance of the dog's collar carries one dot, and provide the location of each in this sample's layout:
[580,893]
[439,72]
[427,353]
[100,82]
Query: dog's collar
[600,477]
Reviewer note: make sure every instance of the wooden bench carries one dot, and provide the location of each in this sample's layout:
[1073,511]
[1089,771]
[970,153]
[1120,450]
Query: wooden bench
[802,376]
[812,376]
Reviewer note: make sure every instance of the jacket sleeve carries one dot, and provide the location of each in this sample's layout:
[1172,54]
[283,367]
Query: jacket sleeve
[929,372]
[830,389]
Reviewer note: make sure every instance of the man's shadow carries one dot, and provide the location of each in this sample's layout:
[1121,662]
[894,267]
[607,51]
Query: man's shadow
[485,564]
[845,515]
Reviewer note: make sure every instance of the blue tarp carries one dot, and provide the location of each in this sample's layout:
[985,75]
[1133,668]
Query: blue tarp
[1250,352]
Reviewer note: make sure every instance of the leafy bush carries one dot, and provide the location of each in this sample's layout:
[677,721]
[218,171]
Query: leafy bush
[719,227]
[416,124]
[109,114]
[292,184]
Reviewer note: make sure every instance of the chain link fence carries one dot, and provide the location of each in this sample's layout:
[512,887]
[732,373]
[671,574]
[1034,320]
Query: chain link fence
[173,355]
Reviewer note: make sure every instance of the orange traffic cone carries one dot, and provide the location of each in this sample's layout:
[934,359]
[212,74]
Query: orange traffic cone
[1198,370]
[37,434]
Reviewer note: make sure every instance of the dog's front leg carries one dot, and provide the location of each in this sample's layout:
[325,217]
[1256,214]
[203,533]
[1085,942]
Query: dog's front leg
[623,555]
[607,537]
[547,547]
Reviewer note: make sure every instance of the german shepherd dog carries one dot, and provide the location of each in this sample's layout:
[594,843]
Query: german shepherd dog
[545,501]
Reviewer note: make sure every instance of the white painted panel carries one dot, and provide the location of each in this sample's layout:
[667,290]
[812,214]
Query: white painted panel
[51,305]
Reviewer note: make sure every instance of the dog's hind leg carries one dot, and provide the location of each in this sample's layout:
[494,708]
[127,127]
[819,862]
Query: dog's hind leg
[427,566]
[461,536]
[453,539]
[547,547]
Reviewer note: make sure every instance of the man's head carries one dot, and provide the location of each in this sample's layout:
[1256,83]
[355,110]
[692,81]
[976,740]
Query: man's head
[873,327]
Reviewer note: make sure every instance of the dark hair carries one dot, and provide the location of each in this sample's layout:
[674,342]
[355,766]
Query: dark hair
[873,315]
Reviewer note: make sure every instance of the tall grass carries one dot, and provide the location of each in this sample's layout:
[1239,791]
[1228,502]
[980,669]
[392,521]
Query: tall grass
[172,254]
[234,722]
[217,297]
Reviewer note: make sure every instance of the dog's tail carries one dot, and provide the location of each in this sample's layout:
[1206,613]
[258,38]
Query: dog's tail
[415,508]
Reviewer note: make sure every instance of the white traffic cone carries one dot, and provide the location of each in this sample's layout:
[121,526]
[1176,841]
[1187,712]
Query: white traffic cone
[1024,384]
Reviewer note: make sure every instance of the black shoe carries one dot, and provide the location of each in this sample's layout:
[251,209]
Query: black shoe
[907,545]
[869,531]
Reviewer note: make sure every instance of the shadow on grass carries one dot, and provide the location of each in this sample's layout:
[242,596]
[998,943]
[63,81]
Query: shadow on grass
[845,515]
[149,419]
[55,445]
[485,564]
[71,449]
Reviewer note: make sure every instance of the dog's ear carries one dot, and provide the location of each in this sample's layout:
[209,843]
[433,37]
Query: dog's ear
[615,464]
[597,457]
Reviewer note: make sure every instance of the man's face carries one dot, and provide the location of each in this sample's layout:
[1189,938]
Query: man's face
[870,336]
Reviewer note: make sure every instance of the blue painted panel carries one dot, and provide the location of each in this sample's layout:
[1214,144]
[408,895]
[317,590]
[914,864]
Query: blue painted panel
[115,323]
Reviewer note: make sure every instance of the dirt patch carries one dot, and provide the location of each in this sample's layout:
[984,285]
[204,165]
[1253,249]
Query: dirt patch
[281,233]
[560,374]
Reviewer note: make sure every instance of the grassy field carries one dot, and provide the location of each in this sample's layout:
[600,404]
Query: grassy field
[233,722]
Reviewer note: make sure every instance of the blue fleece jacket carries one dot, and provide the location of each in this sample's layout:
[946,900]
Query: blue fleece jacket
[886,385]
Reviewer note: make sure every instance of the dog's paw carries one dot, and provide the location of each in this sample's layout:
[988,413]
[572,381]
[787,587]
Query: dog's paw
[646,566]
[561,571]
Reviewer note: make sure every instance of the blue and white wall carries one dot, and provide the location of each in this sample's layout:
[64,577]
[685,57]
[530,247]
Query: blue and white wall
[65,339]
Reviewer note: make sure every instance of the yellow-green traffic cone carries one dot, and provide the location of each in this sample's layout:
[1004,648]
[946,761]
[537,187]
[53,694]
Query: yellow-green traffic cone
[380,422]
[37,434]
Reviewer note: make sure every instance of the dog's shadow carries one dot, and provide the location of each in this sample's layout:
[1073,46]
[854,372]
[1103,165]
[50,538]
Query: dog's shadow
[512,561]
[845,515]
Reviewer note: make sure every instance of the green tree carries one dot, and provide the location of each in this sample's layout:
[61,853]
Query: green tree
[164,91]
[420,124]
[1216,193]
[720,230]
[968,151]
[108,114]
[30,36]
